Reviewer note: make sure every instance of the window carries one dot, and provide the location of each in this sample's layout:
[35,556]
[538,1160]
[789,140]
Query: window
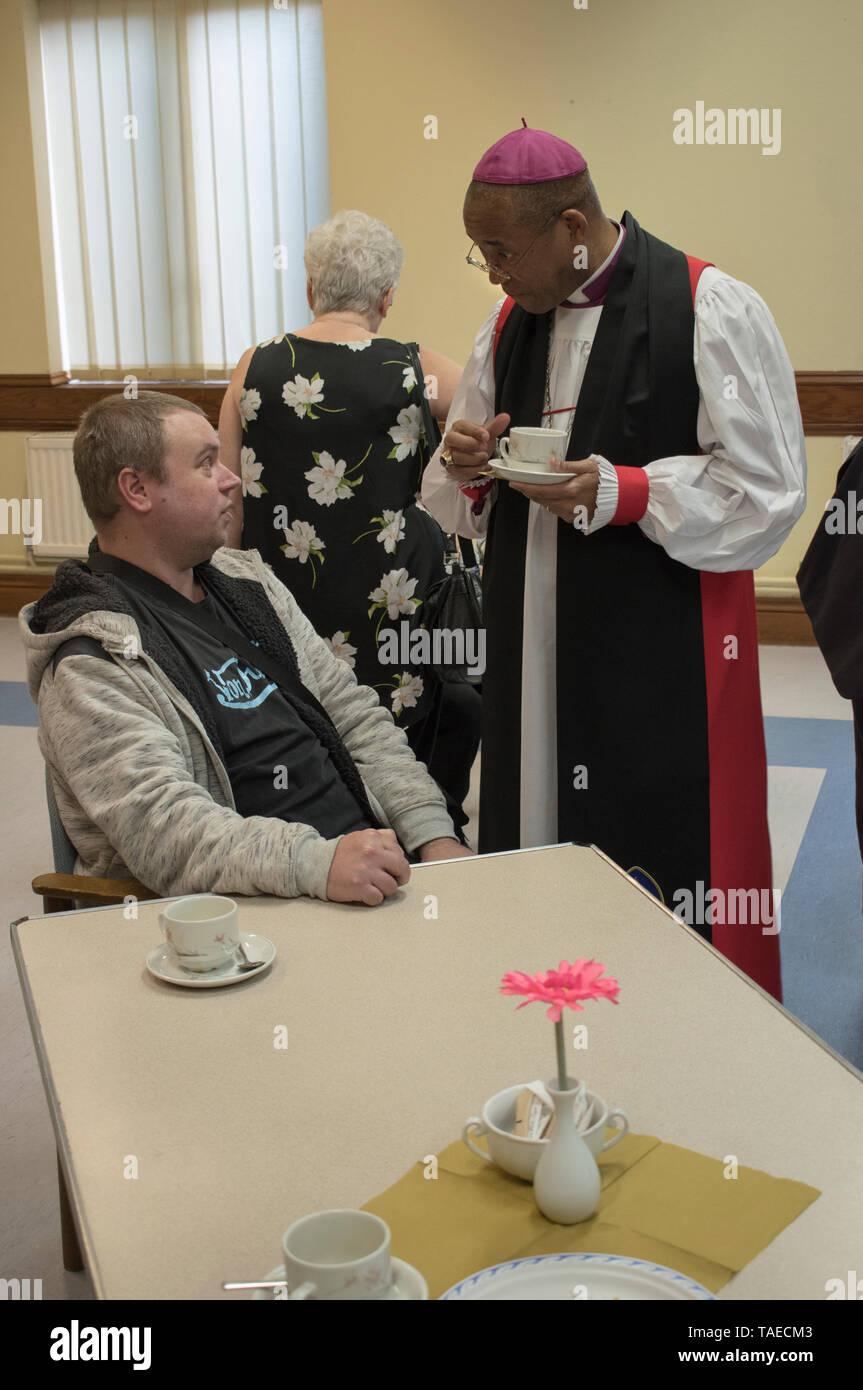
[187,149]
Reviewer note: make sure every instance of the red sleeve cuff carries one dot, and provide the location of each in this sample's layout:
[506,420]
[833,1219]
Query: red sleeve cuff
[633,491]
[478,494]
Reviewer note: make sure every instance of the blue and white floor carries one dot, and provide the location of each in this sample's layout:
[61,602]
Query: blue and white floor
[816,864]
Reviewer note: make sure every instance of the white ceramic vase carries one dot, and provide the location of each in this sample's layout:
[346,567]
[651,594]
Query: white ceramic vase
[566,1182]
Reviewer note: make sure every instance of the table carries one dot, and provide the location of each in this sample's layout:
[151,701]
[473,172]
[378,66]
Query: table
[397,1033]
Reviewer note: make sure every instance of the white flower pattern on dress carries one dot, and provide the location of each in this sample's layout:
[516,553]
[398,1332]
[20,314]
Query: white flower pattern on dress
[327,483]
[341,647]
[407,692]
[303,543]
[405,434]
[395,594]
[392,530]
[250,404]
[336,474]
[251,470]
[301,394]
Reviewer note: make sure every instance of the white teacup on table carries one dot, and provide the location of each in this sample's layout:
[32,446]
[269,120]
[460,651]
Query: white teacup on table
[533,448]
[203,931]
[520,1156]
[338,1256]
[345,1255]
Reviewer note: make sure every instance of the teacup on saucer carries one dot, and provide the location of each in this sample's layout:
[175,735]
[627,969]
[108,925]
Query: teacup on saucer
[532,447]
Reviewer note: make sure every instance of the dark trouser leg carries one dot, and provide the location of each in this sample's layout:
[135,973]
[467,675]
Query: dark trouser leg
[857,707]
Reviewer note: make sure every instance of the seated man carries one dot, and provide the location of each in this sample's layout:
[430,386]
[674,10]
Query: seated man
[174,758]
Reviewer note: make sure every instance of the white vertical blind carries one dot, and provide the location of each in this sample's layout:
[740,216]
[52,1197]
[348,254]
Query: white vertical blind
[187,145]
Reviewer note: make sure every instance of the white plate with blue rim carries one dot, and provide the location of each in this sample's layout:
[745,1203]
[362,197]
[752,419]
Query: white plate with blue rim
[575,1276]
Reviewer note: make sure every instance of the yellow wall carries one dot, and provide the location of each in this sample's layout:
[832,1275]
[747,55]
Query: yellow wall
[608,78]
[26,343]
[29,341]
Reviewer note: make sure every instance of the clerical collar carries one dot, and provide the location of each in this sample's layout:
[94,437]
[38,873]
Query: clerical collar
[592,292]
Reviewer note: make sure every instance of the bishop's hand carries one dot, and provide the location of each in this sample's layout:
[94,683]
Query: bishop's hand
[574,497]
[471,446]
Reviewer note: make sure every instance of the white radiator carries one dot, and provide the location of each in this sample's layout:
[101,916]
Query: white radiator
[66,528]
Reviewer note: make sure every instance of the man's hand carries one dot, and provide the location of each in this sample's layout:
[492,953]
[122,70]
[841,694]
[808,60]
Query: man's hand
[563,498]
[443,849]
[367,867]
[471,446]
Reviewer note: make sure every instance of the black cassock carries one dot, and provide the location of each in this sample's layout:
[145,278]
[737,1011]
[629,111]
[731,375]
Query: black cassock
[830,579]
[670,733]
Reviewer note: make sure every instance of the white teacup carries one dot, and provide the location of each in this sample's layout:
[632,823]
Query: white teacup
[203,932]
[520,1156]
[536,447]
[335,1255]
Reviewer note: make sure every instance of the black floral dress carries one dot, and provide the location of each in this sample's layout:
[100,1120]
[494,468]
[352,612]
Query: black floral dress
[332,456]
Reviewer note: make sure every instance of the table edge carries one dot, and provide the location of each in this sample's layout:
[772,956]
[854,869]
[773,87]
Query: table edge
[91,1264]
[741,974]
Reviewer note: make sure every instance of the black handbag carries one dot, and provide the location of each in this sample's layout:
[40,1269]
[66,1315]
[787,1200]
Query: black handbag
[452,615]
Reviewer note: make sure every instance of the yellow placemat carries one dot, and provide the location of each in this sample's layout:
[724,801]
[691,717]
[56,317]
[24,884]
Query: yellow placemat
[658,1202]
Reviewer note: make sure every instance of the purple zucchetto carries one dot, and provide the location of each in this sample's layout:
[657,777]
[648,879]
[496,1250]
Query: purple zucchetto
[529,156]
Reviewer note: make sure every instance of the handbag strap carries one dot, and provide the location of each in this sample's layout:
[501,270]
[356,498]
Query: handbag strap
[430,424]
[298,695]
[468,553]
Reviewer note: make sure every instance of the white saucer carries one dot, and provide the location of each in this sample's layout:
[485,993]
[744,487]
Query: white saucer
[408,1284]
[526,473]
[164,965]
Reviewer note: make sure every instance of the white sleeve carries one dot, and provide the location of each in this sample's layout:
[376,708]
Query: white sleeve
[474,401]
[731,507]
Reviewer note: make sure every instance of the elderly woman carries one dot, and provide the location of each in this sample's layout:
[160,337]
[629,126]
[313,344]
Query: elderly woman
[324,426]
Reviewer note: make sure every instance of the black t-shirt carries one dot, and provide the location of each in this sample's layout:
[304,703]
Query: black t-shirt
[276,764]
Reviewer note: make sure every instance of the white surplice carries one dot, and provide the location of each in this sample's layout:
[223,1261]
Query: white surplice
[728,508]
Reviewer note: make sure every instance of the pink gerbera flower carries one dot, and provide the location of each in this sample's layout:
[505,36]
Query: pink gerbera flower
[562,988]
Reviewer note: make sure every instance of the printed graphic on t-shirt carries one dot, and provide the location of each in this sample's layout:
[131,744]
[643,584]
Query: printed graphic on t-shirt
[239,686]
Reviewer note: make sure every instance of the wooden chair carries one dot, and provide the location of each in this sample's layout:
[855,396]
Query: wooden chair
[66,891]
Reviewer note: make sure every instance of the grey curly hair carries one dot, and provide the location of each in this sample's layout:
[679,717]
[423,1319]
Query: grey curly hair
[351,262]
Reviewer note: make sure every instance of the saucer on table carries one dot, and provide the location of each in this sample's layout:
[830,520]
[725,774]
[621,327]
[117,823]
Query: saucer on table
[164,965]
[408,1284]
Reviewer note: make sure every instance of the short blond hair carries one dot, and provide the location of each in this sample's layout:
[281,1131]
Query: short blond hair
[114,434]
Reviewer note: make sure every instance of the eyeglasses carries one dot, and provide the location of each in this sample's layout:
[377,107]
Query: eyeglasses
[510,261]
